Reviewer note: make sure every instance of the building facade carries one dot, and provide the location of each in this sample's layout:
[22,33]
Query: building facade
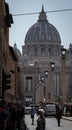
[8,57]
[43,52]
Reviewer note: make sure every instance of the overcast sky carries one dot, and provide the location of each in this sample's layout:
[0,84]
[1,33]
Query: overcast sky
[61,20]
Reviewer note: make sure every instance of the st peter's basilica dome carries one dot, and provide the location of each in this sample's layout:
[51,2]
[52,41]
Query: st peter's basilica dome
[42,31]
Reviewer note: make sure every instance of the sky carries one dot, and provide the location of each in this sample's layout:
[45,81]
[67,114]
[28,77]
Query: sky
[61,20]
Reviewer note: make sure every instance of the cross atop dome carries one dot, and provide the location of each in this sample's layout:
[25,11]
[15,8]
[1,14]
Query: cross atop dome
[42,8]
[42,15]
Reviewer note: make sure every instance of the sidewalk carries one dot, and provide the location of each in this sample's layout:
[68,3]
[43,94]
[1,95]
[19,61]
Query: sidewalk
[67,118]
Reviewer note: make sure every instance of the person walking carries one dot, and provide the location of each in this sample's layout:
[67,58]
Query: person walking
[58,115]
[32,114]
[12,120]
[41,123]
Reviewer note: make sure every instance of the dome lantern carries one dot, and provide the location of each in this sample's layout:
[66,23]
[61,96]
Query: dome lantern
[42,15]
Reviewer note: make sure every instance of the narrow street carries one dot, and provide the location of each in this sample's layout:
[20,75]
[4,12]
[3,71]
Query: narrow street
[35,64]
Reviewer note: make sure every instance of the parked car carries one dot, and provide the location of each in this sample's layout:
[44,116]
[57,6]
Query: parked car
[27,110]
[50,110]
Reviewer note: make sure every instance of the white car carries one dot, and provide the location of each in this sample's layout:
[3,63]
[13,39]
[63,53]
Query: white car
[27,110]
[50,110]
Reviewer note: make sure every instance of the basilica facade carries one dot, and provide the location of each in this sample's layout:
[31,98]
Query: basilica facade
[45,65]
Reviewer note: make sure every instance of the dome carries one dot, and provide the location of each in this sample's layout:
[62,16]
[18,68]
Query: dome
[42,31]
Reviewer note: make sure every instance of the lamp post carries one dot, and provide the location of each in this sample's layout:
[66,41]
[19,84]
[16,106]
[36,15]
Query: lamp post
[42,95]
[46,73]
[43,79]
[52,66]
[63,53]
[63,74]
[37,91]
[52,80]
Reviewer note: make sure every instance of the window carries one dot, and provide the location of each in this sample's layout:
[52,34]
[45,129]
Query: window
[28,84]
[43,50]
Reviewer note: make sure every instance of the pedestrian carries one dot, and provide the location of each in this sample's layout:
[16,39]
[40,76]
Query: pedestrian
[41,120]
[12,120]
[20,116]
[32,114]
[2,117]
[58,115]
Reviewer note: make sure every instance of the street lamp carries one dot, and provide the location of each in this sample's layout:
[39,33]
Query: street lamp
[63,73]
[46,73]
[39,82]
[44,99]
[63,52]
[52,80]
[52,66]
[43,78]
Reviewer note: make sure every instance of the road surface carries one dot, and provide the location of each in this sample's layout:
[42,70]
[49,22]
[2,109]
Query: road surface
[51,123]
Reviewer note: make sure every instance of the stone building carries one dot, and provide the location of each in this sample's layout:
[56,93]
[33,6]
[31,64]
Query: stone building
[42,53]
[8,57]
